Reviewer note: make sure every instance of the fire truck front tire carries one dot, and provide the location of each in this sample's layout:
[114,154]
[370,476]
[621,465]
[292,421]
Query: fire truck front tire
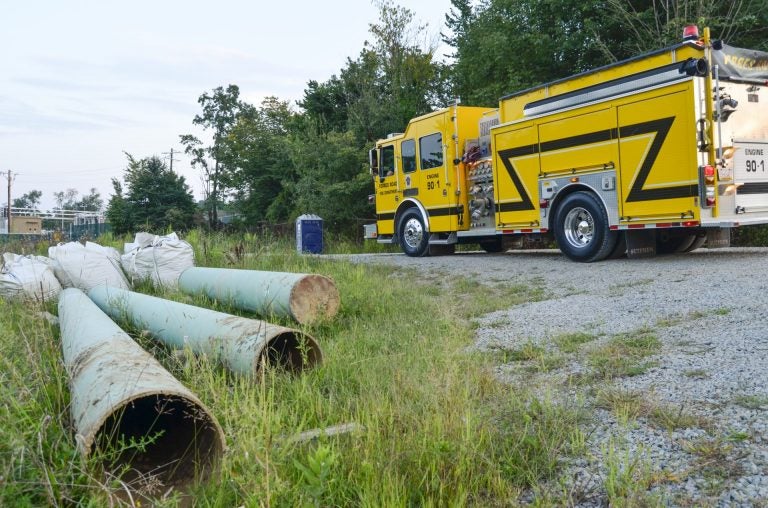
[414,238]
[581,228]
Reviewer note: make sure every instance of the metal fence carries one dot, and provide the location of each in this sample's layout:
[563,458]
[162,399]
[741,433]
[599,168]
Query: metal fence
[74,233]
[88,231]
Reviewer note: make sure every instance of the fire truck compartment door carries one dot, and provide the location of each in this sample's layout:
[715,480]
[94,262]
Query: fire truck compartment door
[516,171]
[657,154]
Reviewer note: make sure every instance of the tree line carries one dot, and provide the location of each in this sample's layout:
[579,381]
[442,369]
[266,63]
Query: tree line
[274,161]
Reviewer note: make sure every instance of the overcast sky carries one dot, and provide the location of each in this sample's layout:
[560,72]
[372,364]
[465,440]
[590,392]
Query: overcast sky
[83,81]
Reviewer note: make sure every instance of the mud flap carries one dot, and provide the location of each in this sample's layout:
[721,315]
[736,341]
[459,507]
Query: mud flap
[718,238]
[641,243]
[442,250]
[512,242]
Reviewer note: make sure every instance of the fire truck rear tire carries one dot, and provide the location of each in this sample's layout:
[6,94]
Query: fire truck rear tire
[698,242]
[413,235]
[671,243]
[581,228]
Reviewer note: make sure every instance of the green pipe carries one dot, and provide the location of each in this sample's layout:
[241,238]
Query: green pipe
[306,298]
[241,344]
[121,394]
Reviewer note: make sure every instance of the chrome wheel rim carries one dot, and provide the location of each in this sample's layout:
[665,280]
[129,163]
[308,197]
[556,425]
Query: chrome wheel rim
[579,227]
[413,233]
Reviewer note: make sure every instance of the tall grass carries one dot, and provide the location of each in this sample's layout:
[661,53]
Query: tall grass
[434,425]
[39,464]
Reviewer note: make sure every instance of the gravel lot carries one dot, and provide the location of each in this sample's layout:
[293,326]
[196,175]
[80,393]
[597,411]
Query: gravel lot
[707,379]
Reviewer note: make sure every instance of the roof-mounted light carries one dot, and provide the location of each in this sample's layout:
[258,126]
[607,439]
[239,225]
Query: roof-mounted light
[691,33]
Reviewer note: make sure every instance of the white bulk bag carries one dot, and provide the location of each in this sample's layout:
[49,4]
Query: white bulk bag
[87,266]
[28,278]
[160,259]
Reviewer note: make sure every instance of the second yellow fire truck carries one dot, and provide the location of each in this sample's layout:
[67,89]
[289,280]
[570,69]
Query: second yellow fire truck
[659,153]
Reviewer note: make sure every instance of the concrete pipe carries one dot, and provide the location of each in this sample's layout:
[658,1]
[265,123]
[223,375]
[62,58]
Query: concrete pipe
[241,344]
[306,298]
[121,395]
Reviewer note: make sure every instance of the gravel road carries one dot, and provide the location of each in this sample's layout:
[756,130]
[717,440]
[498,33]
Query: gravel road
[691,424]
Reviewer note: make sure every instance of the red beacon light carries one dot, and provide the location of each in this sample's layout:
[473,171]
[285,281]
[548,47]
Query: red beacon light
[709,174]
[691,33]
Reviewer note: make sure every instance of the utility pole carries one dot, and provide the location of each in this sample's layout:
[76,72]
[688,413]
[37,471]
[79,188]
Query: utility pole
[10,176]
[170,154]
[9,201]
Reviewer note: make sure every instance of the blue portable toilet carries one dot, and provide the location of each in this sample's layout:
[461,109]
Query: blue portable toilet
[309,234]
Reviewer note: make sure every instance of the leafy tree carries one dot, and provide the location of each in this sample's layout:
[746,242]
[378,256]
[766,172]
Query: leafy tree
[651,25]
[396,76]
[221,110]
[66,200]
[30,200]
[119,212]
[276,163]
[154,198]
[260,171]
[502,46]
[325,104]
[90,203]
[332,181]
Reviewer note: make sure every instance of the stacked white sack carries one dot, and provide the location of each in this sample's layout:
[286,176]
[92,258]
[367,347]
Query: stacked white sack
[28,278]
[160,259]
[87,266]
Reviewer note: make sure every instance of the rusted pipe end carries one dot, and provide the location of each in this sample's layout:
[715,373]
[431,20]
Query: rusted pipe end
[158,440]
[291,350]
[314,298]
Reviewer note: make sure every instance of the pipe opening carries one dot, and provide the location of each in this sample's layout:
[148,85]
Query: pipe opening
[159,440]
[292,351]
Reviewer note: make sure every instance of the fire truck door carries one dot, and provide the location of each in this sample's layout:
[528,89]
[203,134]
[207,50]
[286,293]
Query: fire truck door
[386,191]
[516,172]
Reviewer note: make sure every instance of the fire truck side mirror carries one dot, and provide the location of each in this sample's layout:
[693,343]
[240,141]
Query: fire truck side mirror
[373,160]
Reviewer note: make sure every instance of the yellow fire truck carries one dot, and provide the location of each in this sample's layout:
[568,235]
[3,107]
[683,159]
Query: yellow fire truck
[659,153]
